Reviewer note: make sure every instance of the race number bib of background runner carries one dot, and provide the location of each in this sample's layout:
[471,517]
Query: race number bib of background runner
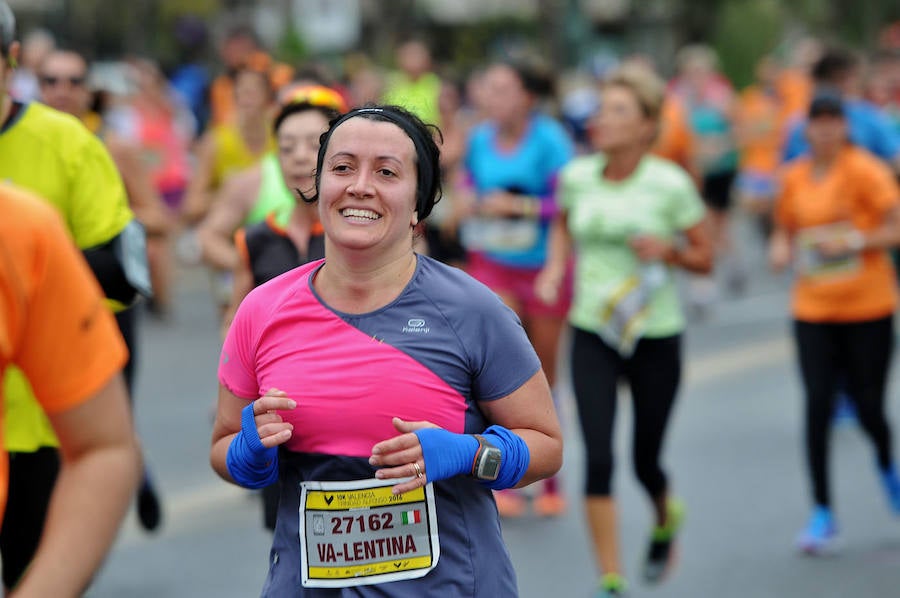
[811,263]
[359,533]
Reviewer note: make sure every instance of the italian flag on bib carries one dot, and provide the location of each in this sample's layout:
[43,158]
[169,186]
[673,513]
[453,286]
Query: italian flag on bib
[410,517]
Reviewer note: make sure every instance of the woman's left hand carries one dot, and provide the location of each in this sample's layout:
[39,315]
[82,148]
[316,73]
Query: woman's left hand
[649,248]
[398,457]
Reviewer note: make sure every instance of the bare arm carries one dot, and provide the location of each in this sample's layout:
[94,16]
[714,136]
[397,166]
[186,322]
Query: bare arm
[779,249]
[243,284]
[887,235]
[559,247]
[145,202]
[100,468]
[272,430]
[216,233]
[697,255]
[197,198]
[527,412]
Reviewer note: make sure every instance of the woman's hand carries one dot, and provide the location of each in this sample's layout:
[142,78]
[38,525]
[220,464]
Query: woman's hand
[501,204]
[779,250]
[270,426]
[398,457]
[650,249]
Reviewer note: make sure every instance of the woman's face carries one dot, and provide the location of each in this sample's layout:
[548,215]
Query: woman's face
[826,133]
[506,101]
[298,148]
[367,188]
[620,123]
[251,92]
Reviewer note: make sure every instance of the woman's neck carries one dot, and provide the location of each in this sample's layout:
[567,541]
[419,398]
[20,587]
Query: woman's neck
[823,160]
[253,130]
[510,134]
[352,282]
[621,164]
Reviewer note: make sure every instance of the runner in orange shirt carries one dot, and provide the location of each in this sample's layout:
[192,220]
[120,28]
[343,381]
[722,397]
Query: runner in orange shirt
[54,326]
[837,215]
[759,130]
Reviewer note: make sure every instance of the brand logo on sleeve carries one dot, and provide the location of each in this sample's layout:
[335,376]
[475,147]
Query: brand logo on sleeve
[416,326]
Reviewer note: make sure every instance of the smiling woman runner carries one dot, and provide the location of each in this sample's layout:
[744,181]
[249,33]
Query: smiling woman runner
[371,384]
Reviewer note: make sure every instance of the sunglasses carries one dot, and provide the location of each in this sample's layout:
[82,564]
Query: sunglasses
[52,81]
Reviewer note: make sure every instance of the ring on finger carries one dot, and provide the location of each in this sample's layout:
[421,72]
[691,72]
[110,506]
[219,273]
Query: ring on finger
[419,473]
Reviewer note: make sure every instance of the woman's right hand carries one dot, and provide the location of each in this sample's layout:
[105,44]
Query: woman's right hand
[270,426]
[546,285]
[779,251]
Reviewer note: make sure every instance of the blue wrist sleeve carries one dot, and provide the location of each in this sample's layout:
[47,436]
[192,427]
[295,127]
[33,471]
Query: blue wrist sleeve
[448,455]
[249,463]
[515,457]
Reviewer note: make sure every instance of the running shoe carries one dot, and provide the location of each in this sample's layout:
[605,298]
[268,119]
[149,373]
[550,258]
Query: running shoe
[844,411]
[891,483]
[612,585]
[148,507]
[820,535]
[550,504]
[661,552]
[510,503]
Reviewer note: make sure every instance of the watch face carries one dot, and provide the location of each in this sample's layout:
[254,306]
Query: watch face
[490,465]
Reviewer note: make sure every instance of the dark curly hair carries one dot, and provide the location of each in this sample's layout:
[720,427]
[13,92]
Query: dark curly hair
[428,171]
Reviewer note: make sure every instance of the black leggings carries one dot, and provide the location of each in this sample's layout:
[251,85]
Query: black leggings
[861,351]
[32,477]
[653,372]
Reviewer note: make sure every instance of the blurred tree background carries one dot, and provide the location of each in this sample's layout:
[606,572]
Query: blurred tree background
[464,33]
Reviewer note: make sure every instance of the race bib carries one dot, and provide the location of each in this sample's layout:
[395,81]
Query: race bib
[624,312]
[499,234]
[811,263]
[359,533]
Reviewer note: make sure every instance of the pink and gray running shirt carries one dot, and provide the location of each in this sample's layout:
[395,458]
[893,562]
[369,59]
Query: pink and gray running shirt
[446,343]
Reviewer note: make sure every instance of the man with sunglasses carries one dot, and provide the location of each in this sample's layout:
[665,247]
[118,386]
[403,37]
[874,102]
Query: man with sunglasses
[56,157]
[63,81]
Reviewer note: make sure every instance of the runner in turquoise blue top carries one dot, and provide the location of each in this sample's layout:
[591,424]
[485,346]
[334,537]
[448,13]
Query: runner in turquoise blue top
[632,219]
[511,162]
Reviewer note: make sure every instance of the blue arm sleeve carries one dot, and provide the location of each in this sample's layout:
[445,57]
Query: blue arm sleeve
[448,455]
[249,463]
[515,460]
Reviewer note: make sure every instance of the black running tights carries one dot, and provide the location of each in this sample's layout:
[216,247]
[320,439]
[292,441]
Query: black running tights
[861,351]
[653,372]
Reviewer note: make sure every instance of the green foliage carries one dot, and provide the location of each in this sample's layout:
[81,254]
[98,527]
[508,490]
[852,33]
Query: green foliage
[291,48]
[745,31]
[477,43]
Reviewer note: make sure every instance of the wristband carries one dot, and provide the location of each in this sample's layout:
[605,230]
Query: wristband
[515,457]
[447,455]
[249,463]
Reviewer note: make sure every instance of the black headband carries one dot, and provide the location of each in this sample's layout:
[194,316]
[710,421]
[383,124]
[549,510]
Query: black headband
[427,179]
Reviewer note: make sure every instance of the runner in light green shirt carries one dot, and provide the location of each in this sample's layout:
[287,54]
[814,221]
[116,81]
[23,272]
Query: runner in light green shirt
[658,199]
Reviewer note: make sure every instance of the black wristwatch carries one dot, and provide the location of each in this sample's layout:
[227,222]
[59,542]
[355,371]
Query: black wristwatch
[486,465]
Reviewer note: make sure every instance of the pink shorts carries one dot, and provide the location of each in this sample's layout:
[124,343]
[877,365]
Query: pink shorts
[518,283]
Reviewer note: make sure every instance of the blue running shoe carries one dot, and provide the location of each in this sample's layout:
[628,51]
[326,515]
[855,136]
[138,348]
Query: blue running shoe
[891,483]
[820,535]
[844,410]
